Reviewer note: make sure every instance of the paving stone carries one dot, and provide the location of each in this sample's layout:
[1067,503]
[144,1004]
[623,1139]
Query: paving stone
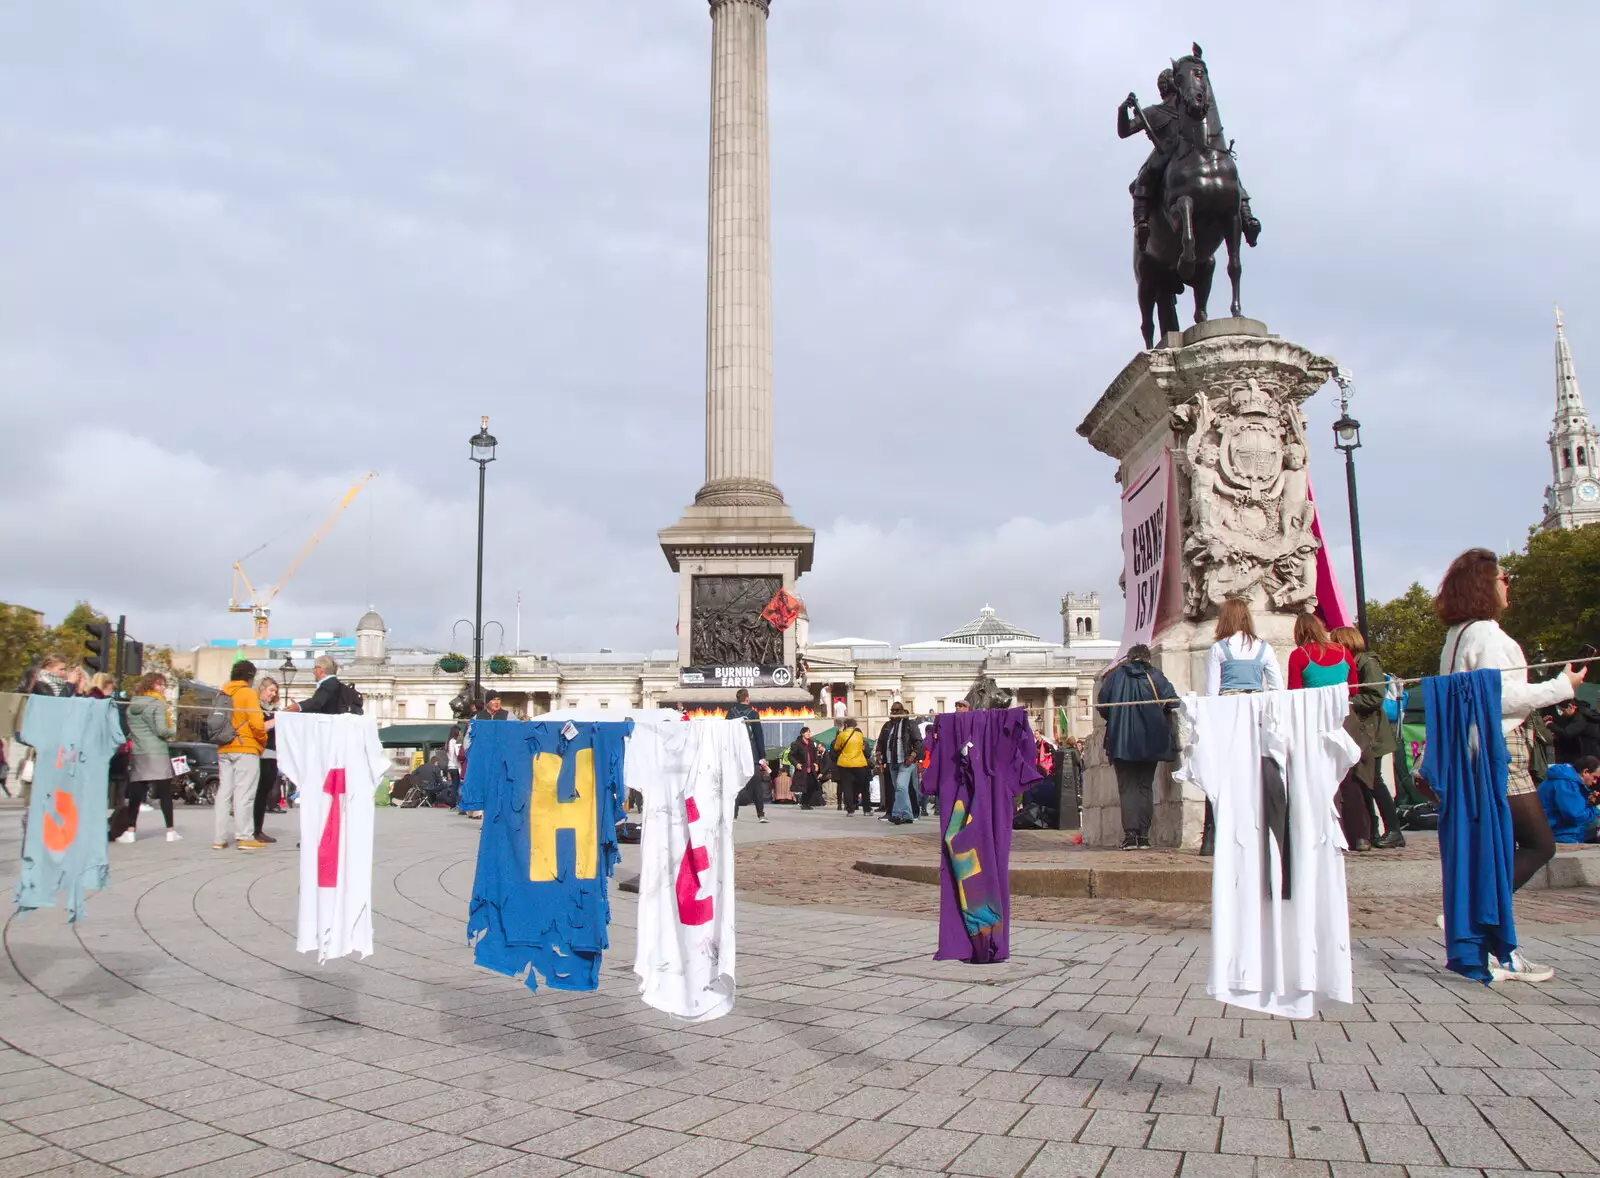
[1328,1140]
[993,1156]
[1060,1159]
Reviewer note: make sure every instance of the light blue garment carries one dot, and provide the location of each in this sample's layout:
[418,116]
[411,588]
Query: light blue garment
[902,792]
[553,928]
[64,847]
[1466,763]
[1244,674]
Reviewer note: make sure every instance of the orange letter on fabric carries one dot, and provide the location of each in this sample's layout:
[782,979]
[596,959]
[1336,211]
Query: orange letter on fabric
[58,834]
[547,813]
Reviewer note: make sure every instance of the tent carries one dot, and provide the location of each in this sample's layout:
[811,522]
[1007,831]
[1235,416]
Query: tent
[414,736]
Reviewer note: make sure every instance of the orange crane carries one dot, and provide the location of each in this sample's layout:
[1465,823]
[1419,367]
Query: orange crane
[259,605]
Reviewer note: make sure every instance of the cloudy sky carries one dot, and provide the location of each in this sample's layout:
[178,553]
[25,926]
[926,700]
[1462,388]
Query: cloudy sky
[251,249]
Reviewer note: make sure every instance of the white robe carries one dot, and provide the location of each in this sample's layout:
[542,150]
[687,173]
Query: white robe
[336,761]
[689,774]
[1270,954]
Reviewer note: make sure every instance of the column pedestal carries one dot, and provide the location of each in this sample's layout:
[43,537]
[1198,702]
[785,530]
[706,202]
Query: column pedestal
[1224,398]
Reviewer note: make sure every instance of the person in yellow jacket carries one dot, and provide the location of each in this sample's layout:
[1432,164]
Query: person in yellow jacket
[239,762]
[850,767]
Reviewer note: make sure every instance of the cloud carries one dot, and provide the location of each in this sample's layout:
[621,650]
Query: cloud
[271,247]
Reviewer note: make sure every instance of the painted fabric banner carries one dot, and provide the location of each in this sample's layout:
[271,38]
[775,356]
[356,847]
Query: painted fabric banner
[1150,542]
[337,762]
[551,794]
[64,846]
[1330,600]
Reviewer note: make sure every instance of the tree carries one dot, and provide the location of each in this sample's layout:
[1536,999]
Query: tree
[1405,634]
[1555,594]
[71,638]
[23,638]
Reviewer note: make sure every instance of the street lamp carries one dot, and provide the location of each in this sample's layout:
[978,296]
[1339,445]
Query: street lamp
[1347,439]
[482,445]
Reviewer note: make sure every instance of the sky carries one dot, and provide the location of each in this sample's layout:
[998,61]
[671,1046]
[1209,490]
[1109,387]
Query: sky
[253,249]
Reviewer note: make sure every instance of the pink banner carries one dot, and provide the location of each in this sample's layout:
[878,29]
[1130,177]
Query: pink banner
[1150,540]
[1330,600]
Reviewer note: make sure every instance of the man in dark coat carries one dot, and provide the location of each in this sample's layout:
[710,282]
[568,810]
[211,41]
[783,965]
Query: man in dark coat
[332,697]
[1576,729]
[751,793]
[1138,737]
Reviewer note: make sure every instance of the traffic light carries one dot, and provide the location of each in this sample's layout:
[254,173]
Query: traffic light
[99,645]
[132,658]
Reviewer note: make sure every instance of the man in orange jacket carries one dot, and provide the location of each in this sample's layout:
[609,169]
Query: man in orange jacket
[239,761]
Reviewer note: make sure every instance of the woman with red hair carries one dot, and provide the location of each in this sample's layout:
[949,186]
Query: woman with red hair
[1471,601]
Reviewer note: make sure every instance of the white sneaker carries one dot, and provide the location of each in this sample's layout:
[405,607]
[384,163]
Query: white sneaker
[1519,969]
[1439,920]
[127,836]
[174,837]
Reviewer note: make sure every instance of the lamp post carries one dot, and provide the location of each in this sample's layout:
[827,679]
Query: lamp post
[1347,439]
[482,444]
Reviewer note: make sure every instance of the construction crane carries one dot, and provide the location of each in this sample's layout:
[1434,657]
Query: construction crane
[258,605]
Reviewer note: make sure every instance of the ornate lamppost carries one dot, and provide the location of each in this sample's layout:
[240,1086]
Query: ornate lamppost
[1347,439]
[482,445]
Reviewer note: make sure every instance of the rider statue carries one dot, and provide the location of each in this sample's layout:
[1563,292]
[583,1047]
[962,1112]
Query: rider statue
[1160,123]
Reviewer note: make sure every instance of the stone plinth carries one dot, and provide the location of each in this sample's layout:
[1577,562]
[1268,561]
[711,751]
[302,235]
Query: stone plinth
[1224,397]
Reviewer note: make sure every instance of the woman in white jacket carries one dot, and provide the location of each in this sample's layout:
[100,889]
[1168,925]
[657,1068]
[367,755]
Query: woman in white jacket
[1471,600]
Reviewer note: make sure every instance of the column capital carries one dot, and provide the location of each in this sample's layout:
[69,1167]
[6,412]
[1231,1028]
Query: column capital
[764,5]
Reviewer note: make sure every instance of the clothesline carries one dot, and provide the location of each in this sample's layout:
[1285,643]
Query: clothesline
[1120,704]
[1132,703]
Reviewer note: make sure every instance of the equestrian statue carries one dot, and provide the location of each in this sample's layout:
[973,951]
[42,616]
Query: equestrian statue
[1187,199]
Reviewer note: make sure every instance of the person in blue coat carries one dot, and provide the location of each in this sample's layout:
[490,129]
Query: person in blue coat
[1138,737]
[1566,794]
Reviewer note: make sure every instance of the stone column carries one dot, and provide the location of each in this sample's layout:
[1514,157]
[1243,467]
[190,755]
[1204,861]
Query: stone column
[739,263]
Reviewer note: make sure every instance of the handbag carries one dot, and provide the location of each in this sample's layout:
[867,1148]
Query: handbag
[1173,747]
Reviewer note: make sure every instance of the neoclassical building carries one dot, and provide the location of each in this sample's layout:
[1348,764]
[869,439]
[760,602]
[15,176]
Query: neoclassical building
[858,677]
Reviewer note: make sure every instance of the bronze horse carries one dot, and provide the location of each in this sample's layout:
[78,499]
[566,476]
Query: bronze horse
[1199,211]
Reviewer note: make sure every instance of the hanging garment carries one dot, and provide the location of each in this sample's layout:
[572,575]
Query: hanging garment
[979,764]
[551,795]
[690,775]
[64,845]
[1270,764]
[337,762]
[1466,763]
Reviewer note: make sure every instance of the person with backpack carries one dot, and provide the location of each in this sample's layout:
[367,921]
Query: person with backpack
[1135,700]
[333,696]
[238,757]
[1237,662]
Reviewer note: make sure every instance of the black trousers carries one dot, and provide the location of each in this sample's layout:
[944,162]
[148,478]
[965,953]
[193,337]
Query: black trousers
[750,795]
[809,789]
[133,795]
[855,787]
[1136,791]
[264,788]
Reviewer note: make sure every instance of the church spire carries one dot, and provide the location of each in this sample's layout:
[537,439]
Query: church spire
[1569,401]
[1573,497]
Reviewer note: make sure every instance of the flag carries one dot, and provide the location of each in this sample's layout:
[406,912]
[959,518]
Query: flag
[783,609]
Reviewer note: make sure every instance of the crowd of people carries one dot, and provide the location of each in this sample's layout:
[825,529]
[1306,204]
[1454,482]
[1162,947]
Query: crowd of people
[144,769]
[1552,741]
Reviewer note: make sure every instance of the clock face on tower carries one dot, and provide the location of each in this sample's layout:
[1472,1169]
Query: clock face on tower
[1588,492]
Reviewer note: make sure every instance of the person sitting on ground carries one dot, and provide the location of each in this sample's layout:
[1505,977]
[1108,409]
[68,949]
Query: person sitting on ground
[1567,795]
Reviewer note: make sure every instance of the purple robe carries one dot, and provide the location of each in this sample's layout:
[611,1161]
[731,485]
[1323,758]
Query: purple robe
[980,762]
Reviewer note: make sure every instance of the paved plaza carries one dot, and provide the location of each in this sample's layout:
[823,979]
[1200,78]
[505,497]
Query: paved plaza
[175,1030]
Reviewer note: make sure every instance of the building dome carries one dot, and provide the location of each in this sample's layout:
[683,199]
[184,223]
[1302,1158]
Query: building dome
[986,630]
[371,646]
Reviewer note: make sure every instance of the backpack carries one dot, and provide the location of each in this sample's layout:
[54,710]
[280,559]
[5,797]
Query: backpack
[217,725]
[350,699]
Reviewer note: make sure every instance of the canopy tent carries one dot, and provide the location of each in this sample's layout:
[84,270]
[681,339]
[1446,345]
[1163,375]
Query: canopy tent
[414,736]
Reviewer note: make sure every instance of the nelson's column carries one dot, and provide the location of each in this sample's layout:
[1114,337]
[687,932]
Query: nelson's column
[737,544]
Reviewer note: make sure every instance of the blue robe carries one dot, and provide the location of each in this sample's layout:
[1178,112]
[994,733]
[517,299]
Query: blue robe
[548,845]
[1476,845]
